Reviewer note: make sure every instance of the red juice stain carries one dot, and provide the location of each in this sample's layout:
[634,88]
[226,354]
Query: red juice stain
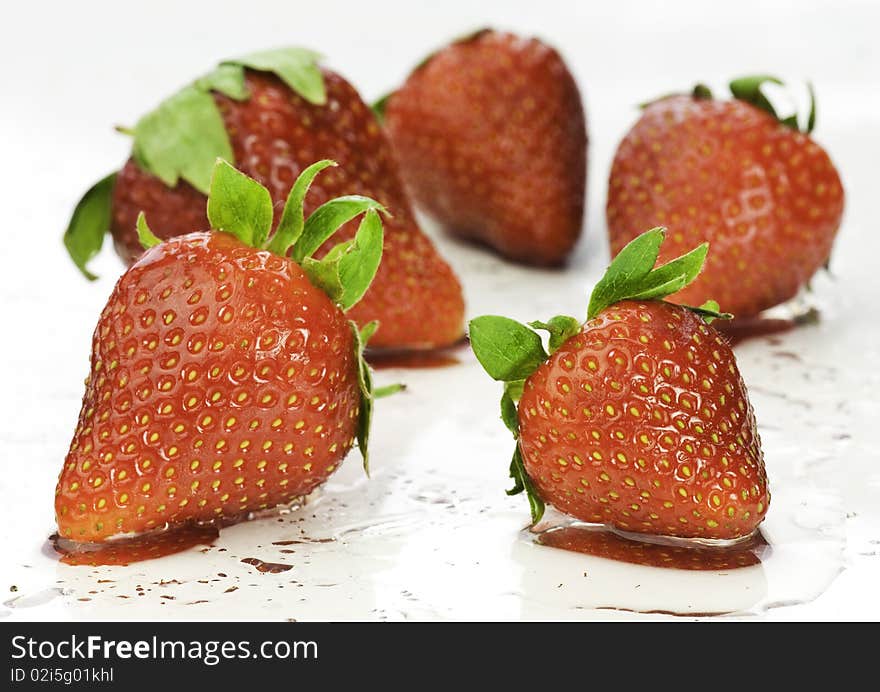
[270,567]
[435,358]
[124,551]
[305,540]
[600,542]
[739,330]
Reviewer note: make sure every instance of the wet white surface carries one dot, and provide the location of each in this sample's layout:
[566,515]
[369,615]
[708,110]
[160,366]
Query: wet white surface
[432,535]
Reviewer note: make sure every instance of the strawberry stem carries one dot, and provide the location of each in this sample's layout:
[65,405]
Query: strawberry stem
[701,91]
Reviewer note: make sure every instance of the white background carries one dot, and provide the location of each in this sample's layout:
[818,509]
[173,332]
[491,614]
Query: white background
[432,535]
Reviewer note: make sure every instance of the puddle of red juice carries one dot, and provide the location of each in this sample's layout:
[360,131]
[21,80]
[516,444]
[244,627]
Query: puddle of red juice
[148,546]
[124,551]
[600,542]
[739,330]
[382,359]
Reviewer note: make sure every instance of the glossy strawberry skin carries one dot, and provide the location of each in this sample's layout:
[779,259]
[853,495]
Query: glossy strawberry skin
[275,134]
[643,422]
[491,138]
[767,198]
[222,382]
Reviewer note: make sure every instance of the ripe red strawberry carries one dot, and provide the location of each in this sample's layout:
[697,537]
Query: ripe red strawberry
[491,139]
[765,195]
[223,379]
[273,126]
[639,418]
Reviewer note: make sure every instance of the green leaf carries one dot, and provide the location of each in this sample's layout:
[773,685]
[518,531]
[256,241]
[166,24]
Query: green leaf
[327,219]
[561,328]
[297,67]
[811,118]
[367,332]
[506,349]
[687,265]
[512,393]
[185,134]
[88,224]
[522,482]
[365,383]
[709,311]
[290,226]
[239,205]
[324,274]
[656,292]
[701,91]
[379,107]
[228,79]
[388,390]
[749,89]
[360,261]
[346,272]
[672,276]
[183,138]
[626,271]
[515,388]
[631,277]
[145,235]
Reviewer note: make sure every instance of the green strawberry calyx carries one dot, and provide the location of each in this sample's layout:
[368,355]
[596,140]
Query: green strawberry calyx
[510,351]
[185,134]
[750,90]
[242,207]
[89,224]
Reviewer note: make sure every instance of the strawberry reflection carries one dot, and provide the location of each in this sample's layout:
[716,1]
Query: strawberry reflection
[125,551]
[600,542]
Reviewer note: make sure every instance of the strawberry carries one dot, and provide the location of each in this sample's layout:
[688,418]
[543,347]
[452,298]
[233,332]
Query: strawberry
[638,418]
[225,376]
[274,113]
[766,195]
[491,139]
